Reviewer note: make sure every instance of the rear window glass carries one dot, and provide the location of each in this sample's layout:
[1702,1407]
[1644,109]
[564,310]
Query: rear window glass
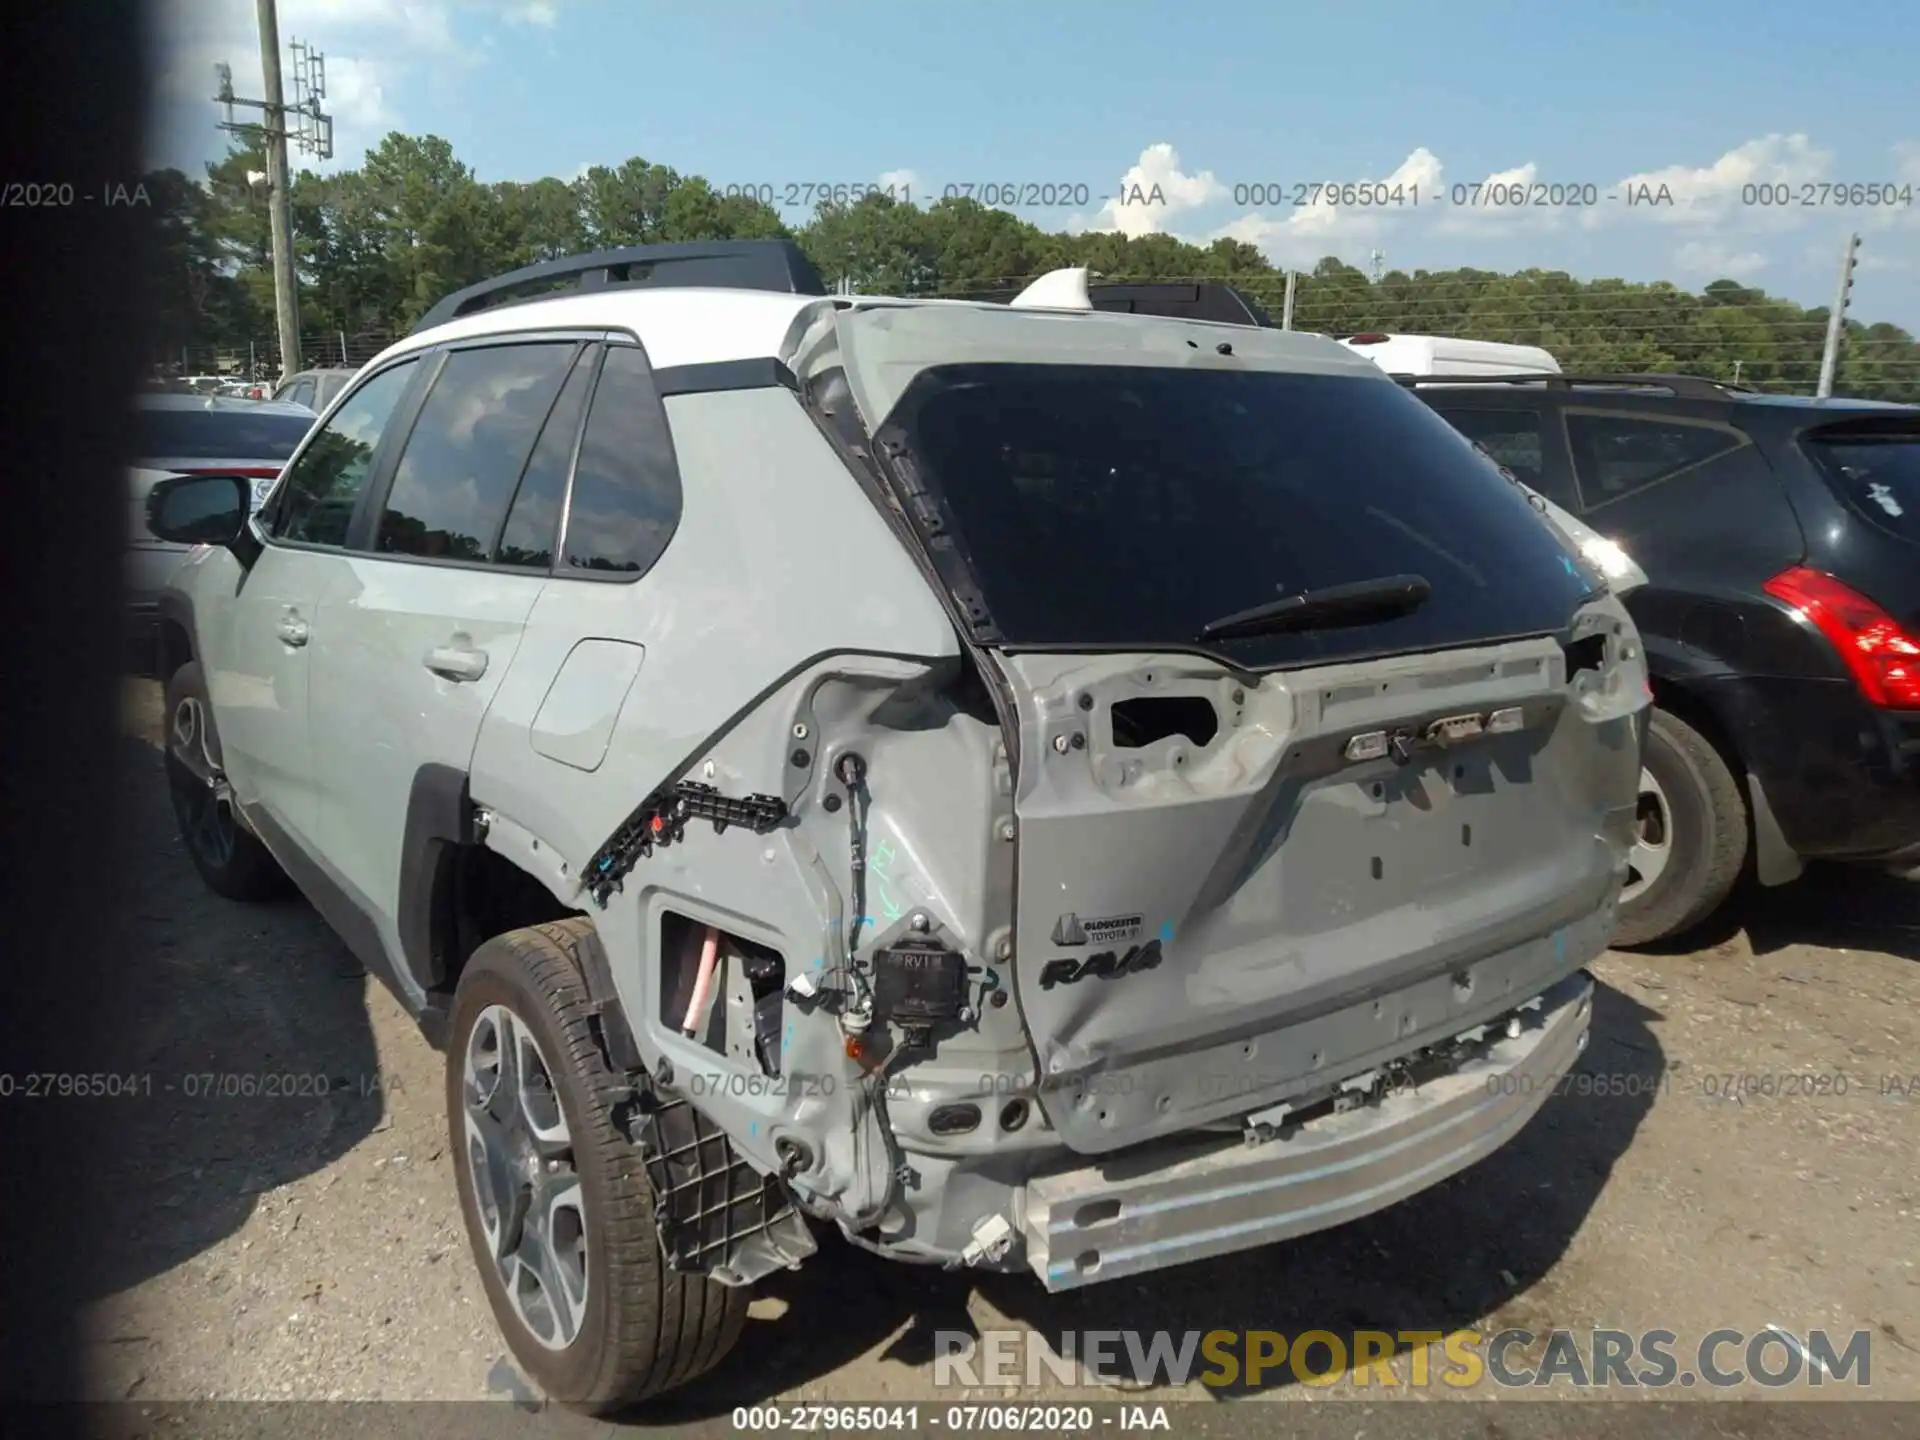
[1878,475]
[237,434]
[1511,437]
[1128,507]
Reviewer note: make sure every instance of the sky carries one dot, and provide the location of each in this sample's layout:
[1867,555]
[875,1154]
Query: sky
[1753,136]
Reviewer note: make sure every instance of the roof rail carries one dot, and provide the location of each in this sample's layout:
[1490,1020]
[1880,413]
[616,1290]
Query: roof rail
[1681,387]
[778,265]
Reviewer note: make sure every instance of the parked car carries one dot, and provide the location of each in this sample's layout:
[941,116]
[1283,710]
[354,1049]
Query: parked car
[1450,355]
[315,389]
[708,708]
[1781,615]
[194,434]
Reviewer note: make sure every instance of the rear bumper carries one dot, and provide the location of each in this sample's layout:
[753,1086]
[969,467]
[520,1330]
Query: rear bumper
[1111,1220]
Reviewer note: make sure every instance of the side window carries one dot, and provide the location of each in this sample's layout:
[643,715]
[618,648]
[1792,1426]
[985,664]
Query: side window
[302,394]
[534,521]
[1615,455]
[626,486]
[457,474]
[1511,437]
[321,487]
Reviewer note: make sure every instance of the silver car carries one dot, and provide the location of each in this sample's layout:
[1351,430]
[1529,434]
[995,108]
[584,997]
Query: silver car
[315,388]
[187,434]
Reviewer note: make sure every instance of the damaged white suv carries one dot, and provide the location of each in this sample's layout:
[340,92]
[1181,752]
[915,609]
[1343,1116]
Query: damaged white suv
[875,762]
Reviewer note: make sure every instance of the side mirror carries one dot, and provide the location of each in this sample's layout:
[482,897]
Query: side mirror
[204,510]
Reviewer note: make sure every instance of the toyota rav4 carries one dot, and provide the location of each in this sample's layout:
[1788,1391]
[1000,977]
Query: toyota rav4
[1025,787]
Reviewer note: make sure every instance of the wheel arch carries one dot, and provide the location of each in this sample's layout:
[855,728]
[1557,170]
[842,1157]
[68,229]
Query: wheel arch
[457,892]
[1684,694]
[174,643]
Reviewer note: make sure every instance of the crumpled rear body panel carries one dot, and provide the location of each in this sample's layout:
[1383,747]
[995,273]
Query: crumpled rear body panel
[1205,929]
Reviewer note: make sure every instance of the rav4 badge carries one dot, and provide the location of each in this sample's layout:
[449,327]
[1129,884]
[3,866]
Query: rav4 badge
[1106,964]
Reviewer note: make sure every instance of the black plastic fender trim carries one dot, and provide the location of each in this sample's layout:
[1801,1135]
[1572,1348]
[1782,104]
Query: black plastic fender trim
[439,818]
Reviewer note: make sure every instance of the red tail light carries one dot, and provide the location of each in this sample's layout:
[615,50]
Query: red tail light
[252,472]
[1882,656]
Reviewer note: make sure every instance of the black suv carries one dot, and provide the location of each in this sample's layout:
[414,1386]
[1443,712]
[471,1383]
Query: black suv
[1781,539]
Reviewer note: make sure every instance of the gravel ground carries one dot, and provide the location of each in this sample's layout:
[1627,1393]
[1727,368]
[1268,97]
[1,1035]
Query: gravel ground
[307,1245]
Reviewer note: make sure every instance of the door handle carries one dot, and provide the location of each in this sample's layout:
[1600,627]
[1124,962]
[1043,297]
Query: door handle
[292,630]
[457,662]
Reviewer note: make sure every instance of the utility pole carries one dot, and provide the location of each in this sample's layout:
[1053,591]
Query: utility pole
[305,124]
[1286,305]
[1837,318]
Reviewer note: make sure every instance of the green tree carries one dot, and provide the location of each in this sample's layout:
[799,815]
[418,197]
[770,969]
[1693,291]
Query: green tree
[377,245]
[194,298]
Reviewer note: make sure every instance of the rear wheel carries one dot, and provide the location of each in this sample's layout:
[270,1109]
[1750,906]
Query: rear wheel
[1691,839]
[228,856]
[557,1203]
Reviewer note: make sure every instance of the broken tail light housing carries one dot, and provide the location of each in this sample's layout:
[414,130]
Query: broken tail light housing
[1881,655]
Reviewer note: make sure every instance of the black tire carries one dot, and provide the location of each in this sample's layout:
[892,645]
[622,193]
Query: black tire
[1707,821]
[645,1329]
[229,857]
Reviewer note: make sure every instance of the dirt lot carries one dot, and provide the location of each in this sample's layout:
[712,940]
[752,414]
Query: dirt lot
[308,1245]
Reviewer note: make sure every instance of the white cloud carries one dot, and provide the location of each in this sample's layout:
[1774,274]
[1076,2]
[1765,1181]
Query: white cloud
[1906,171]
[1153,191]
[536,12]
[906,184]
[1717,193]
[1713,260]
[1303,236]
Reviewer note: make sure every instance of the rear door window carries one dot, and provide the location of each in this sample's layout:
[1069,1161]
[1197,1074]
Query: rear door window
[457,474]
[534,520]
[1878,475]
[1524,441]
[1511,437]
[1123,507]
[1616,455]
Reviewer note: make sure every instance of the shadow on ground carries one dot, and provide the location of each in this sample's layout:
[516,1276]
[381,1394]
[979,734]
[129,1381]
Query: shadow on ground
[1461,1254]
[249,1058]
[1839,907]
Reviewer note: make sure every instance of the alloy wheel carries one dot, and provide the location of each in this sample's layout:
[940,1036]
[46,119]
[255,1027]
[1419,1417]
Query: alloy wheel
[519,1157]
[201,797]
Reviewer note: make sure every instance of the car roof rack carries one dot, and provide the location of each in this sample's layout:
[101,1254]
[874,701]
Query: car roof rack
[1191,300]
[776,265]
[1681,387]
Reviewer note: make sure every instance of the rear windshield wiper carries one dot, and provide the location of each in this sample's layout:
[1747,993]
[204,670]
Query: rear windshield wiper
[1364,602]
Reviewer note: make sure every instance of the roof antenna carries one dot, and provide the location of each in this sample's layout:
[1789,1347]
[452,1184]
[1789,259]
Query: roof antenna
[1056,290]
